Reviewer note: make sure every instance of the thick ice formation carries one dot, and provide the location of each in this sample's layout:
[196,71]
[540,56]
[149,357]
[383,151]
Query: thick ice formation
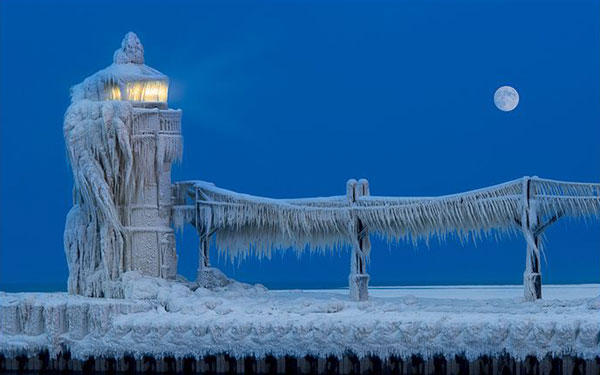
[131,51]
[97,137]
[169,319]
[247,224]
[121,154]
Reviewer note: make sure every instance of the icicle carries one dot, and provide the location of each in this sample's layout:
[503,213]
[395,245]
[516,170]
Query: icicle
[99,152]
[251,225]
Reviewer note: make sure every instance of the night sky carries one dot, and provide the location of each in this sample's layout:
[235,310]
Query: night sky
[292,98]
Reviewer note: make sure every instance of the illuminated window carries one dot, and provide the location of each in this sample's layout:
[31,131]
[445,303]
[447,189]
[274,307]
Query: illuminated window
[147,91]
[139,91]
[113,91]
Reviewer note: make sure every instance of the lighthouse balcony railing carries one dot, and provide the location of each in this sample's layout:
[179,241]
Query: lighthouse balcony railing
[149,120]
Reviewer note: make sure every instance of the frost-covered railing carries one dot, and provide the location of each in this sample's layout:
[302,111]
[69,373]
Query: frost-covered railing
[244,225]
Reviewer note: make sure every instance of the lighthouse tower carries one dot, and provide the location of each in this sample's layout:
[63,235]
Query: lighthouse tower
[121,139]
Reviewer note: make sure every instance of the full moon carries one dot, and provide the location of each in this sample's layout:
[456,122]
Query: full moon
[506,98]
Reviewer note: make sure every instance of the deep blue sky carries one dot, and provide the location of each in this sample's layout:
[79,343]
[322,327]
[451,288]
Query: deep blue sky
[292,98]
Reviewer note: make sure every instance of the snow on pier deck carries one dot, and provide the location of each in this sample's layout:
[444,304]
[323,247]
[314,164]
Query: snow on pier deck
[243,321]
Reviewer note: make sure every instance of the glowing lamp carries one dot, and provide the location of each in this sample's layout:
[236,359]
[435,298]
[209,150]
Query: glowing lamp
[139,91]
[147,91]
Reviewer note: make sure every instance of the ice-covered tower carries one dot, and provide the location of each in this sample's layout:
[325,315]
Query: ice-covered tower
[121,140]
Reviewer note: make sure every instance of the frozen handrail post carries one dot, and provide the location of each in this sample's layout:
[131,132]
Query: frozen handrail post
[361,244]
[207,276]
[544,202]
[532,278]
[204,246]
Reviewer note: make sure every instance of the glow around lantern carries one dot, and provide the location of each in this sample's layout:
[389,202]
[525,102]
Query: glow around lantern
[140,91]
[147,91]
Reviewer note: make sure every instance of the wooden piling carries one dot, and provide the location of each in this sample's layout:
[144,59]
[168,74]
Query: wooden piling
[439,365]
[291,365]
[332,365]
[281,365]
[270,365]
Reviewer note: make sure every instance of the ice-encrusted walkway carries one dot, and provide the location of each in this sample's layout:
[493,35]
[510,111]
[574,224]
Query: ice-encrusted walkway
[242,320]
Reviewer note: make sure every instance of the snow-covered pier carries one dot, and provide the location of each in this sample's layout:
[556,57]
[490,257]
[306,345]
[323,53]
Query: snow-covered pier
[241,328]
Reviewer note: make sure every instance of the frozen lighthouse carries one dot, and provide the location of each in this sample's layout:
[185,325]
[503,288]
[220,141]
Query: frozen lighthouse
[121,141]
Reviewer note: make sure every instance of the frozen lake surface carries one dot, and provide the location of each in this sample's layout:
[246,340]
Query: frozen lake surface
[478,292]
